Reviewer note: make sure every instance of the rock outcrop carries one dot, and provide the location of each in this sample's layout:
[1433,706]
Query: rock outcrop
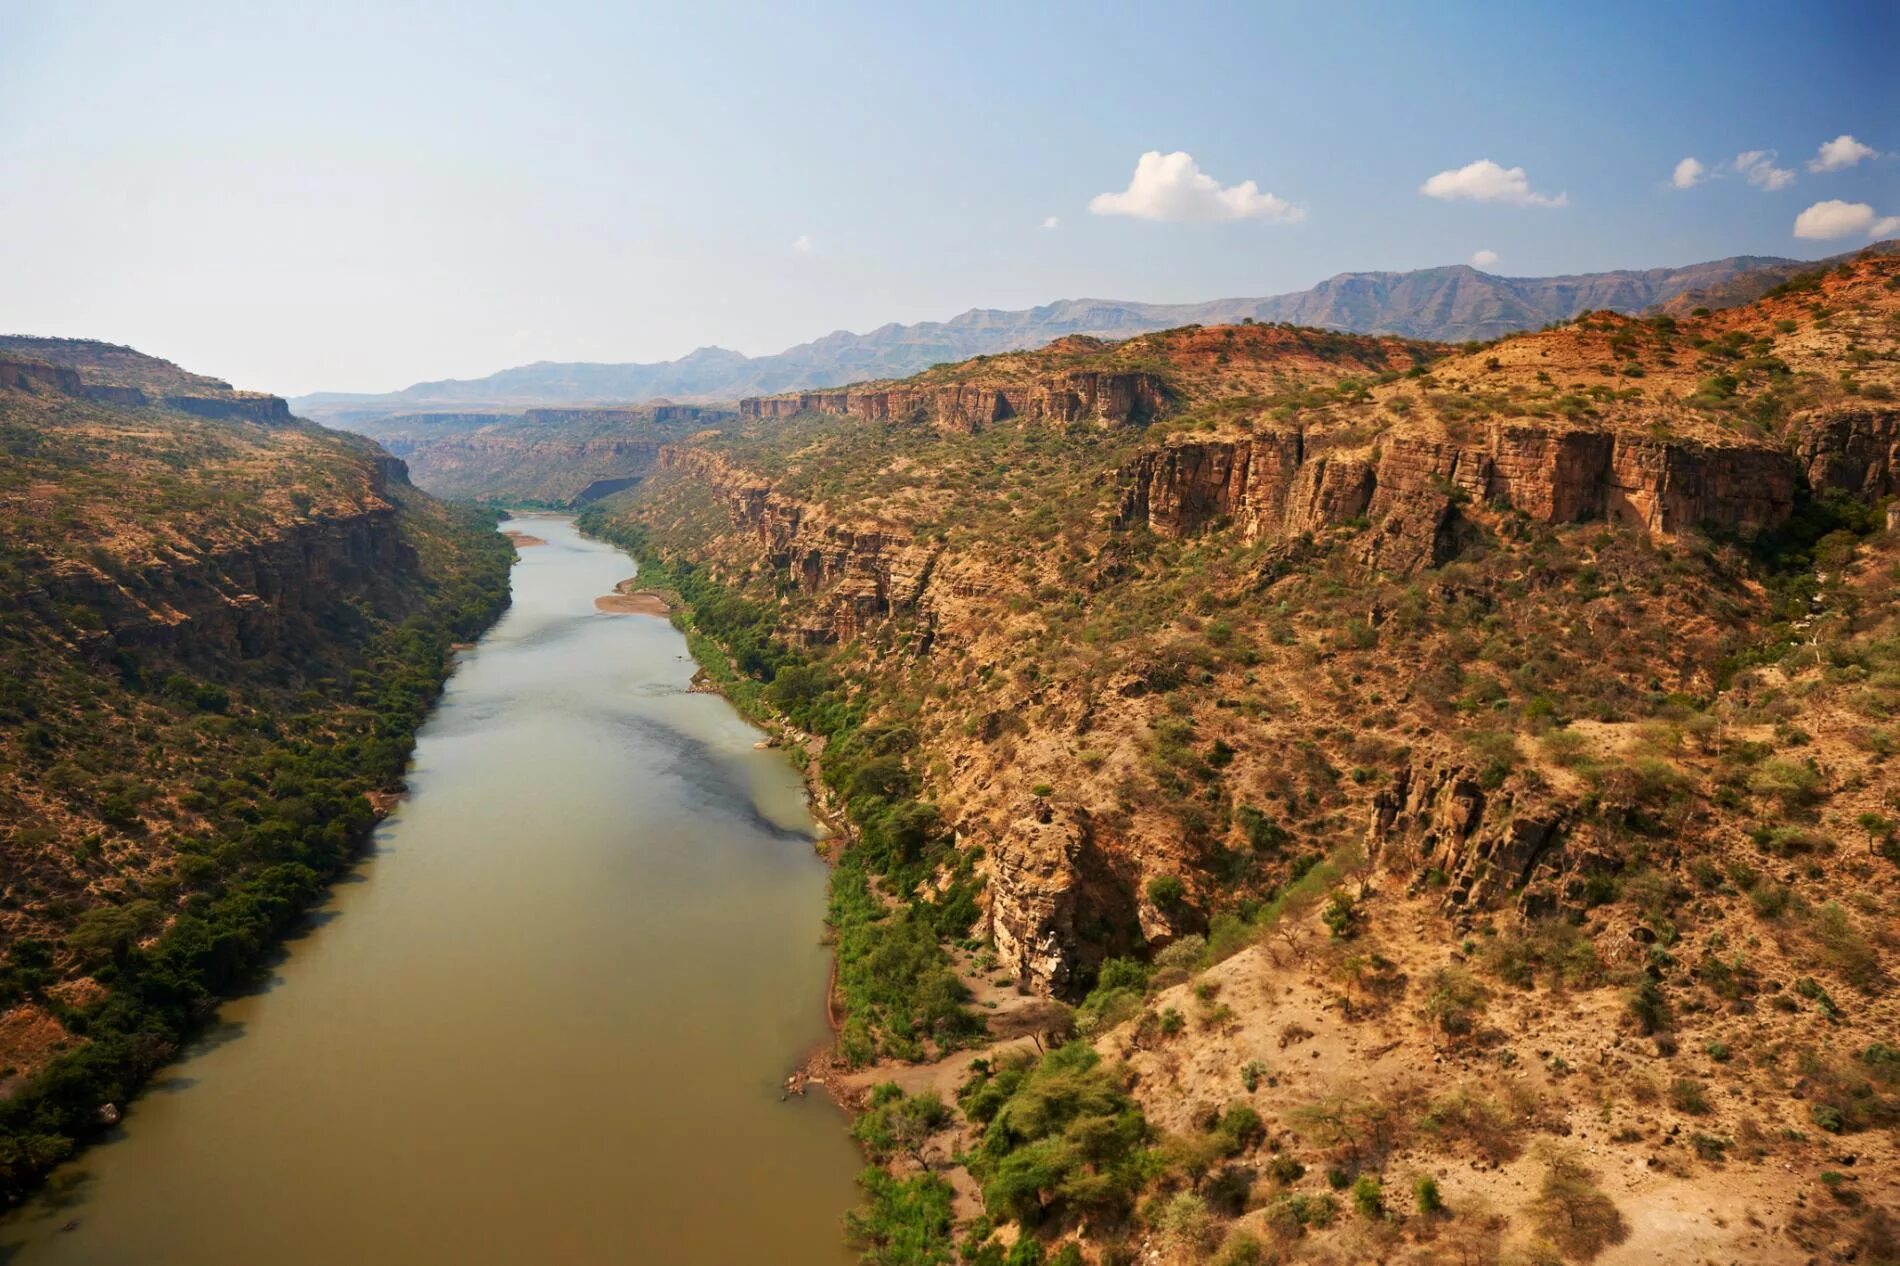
[864,572]
[250,598]
[32,375]
[244,406]
[1485,847]
[1080,396]
[1053,891]
[1284,483]
[1856,451]
[237,407]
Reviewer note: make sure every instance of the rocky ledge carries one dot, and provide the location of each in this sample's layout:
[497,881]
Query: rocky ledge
[1105,399]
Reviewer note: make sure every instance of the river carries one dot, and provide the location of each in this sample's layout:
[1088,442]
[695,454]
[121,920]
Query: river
[546,1019]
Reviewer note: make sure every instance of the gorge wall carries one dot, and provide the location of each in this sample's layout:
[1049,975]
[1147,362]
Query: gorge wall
[1284,483]
[1083,396]
[1057,877]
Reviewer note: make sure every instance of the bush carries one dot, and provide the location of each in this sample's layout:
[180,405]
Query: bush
[903,1222]
[1688,1095]
[1185,1223]
[1571,1210]
[1340,915]
[895,1123]
[1455,1002]
[1426,1196]
[1167,893]
[1648,1006]
[1368,1197]
[1061,1130]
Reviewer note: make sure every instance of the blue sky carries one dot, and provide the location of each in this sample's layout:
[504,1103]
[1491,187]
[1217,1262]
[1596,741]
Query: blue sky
[360,196]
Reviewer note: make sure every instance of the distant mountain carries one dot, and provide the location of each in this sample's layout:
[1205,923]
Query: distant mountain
[1452,304]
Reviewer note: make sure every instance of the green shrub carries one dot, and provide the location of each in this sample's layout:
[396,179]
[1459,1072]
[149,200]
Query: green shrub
[1058,1131]
[903,1222]
[1368,1196]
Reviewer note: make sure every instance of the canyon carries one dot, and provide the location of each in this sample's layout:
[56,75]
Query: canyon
[1342,652]
[222,625]
[538,456]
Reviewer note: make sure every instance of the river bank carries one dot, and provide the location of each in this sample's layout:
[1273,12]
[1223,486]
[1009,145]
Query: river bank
[547,1018]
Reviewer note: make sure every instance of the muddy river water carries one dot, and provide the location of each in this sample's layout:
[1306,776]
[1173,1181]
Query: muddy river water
[545,1021]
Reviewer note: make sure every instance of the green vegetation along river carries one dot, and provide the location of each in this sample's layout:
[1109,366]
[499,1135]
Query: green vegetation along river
[546,1020]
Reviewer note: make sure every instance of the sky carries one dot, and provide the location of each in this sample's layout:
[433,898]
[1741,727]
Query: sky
[359,196]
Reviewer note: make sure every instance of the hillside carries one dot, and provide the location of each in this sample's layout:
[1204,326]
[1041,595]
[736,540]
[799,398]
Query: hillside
[1448,304]
[556,457]
[1408,762]
[221,627]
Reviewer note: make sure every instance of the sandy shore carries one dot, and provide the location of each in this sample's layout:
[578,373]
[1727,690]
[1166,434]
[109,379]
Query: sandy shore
[522,539]
[626,600]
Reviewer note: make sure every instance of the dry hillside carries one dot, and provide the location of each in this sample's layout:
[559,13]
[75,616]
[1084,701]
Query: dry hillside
[1465,763]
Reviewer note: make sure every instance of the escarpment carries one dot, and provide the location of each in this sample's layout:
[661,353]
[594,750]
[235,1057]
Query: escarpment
[1157,681]
[564,457]
[268,595]
[1855,450]
[854,574]
[237,407]
[1103,398]
[1284,483]
[213,399]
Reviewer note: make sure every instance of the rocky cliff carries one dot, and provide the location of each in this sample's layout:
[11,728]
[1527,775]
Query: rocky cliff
[1855,450]
[1284,483]
[1157,682]
[855,573]
[208,399]
[1100,398]
[557,456]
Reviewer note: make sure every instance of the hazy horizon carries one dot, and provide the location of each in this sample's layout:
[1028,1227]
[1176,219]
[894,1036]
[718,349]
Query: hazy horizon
[354,200]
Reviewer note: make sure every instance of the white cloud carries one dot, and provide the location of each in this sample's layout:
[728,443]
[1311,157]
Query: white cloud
[1688,173]
[1051,222]
[1841,152]
[1758,166]
[1835,218]
[803,244]
[1485,181]
[1173,187]
[1886,226]
[1483,259]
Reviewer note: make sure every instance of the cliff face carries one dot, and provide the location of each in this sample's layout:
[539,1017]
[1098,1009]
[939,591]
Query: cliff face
[512,466]
[560,456]
[862,574]
[30,375]
[219,402]
[1098,709]
[238,407]
[253,600]
[1276,485]
[1437,823]
[1853,450]
[1101,398]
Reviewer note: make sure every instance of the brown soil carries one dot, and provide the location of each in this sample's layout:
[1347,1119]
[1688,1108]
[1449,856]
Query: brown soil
[521,539]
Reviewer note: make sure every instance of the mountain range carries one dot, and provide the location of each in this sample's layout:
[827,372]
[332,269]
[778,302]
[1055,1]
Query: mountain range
[1449,304]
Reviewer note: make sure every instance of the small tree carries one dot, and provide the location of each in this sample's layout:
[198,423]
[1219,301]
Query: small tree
[1167,892]
[1340,915]
[1368,1196]
[1572,1212]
